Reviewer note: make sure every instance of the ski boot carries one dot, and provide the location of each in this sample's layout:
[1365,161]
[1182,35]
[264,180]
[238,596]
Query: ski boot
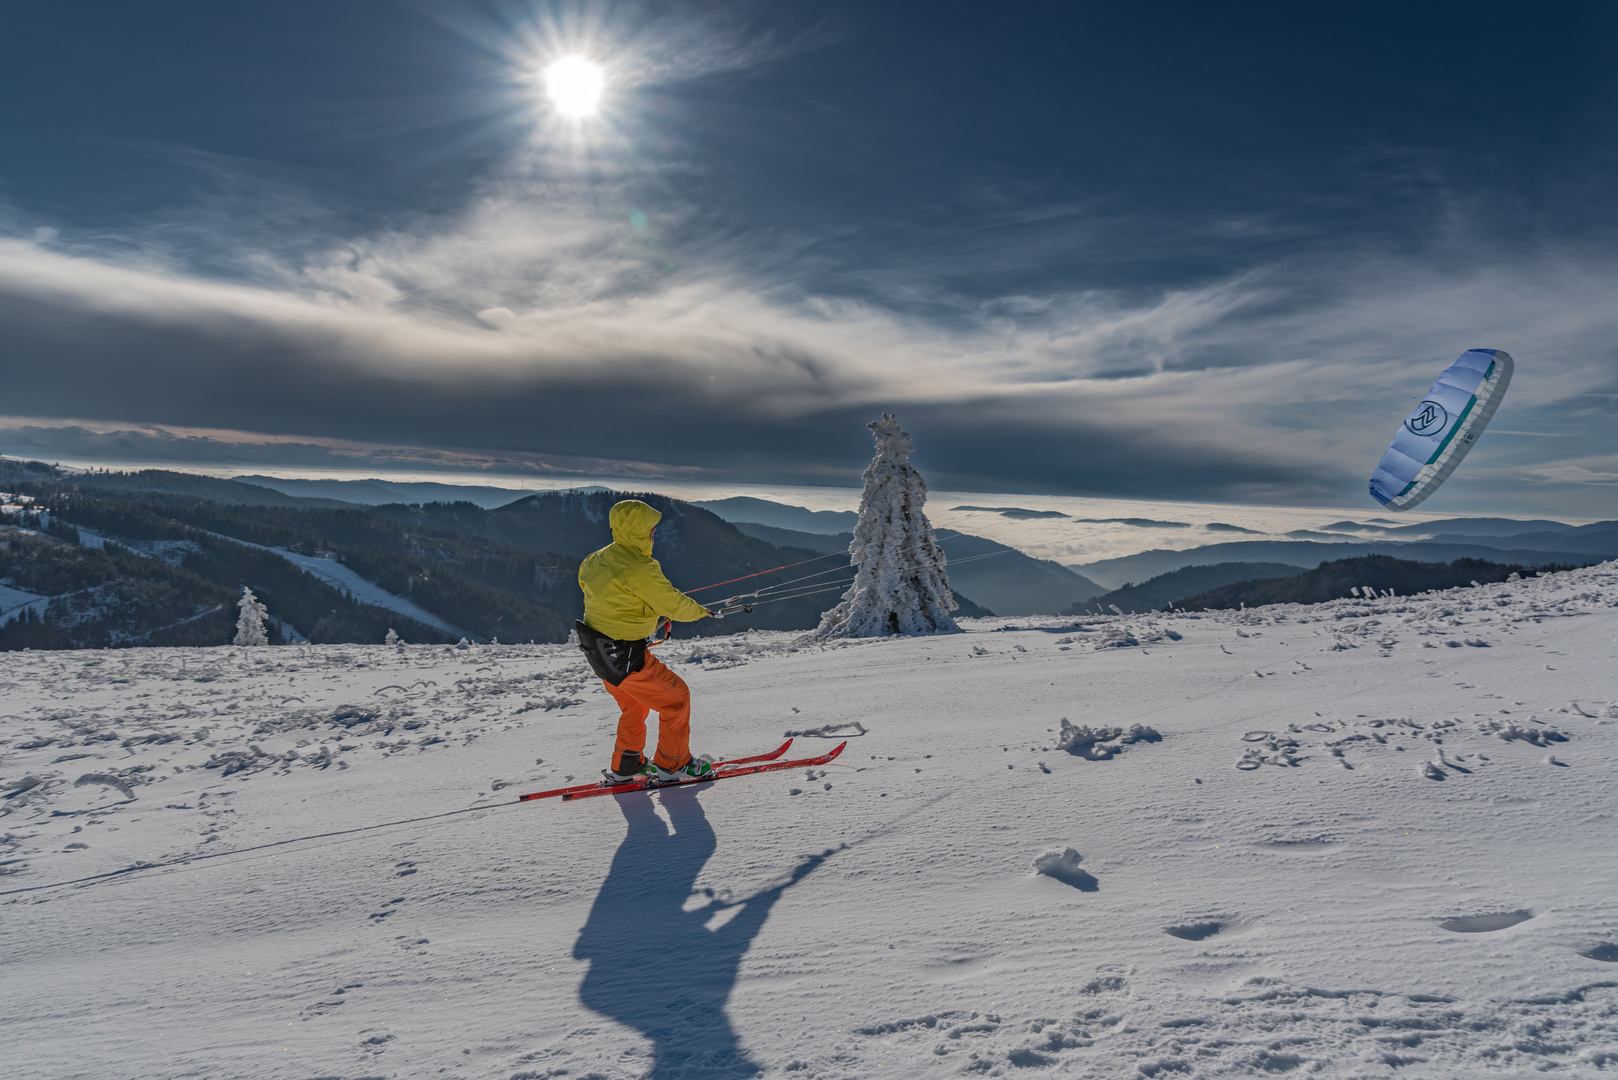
[627,766]
[698,768]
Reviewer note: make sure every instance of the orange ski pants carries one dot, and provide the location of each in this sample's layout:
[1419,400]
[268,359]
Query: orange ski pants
[654,687]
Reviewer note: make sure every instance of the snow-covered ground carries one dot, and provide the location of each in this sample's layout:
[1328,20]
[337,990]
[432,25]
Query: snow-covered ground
[1374,838]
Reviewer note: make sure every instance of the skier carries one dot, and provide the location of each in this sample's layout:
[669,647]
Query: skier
[625,594]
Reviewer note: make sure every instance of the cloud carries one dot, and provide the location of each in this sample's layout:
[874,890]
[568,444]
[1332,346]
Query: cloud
[545,318]
[150,445]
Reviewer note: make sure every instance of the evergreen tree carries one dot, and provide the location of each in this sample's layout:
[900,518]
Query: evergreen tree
[250,623]
[900,586]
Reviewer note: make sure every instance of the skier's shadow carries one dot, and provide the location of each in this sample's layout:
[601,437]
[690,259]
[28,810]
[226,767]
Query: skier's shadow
[655,966]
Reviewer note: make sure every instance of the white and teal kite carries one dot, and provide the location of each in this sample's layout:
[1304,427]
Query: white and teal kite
[1438,432]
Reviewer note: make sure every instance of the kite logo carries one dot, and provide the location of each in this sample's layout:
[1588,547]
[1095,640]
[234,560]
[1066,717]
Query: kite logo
[1428,419]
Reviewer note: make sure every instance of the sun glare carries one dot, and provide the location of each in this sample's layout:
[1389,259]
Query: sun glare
[574,85]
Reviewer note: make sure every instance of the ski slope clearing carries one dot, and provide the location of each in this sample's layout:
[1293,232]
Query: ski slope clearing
[340,577]
[1368,838]
[14,601]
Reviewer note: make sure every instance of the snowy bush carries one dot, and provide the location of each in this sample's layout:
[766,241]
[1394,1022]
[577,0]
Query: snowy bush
[900,586]
[250,621]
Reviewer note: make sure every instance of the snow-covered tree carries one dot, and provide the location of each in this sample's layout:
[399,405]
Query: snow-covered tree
[901,586]
[392,638]
[250,621]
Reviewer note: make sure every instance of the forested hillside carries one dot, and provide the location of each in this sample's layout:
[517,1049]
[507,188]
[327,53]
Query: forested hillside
[178,587]
[1156,594]
[1368,574]
[695,547]
[107,561]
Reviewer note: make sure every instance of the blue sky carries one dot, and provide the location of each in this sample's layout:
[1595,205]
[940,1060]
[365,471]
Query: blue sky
[1131,249]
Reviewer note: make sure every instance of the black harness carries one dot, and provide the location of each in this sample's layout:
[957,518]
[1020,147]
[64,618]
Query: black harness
[612,659]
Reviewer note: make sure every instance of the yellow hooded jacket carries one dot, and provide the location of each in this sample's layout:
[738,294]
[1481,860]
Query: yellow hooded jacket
[624,587]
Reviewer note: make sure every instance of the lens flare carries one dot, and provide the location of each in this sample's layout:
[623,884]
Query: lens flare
[574,85]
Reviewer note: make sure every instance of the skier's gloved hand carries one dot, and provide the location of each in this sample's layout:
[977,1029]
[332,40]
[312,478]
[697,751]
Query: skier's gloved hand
[714,613]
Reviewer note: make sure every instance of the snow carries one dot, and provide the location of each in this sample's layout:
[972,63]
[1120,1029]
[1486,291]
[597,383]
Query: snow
[13,601]
[172,552]
[1374,838]
[94,540]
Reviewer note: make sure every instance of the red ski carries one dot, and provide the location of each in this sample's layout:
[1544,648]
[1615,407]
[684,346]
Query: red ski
[734,768]
[599,785]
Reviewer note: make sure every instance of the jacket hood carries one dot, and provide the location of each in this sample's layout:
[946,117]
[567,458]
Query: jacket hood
[632,522]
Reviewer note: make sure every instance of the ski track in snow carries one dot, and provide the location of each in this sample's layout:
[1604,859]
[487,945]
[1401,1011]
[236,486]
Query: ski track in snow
[1375,838]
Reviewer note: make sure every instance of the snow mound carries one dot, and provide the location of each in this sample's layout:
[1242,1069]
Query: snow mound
[1064,867]
[1102,743]
[1124,635]
[1509,730]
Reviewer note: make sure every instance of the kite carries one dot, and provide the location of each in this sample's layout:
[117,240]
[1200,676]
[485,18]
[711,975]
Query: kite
[1438,433]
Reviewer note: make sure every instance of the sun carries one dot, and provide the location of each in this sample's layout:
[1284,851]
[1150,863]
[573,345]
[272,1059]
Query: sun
[574,85]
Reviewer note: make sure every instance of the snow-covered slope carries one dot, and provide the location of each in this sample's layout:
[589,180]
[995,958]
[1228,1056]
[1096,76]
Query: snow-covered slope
[340,577]
[1373,838]
[13,601]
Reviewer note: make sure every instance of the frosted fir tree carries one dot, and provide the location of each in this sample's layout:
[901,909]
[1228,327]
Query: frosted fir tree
[250,621]
[901,586]
[393,637]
